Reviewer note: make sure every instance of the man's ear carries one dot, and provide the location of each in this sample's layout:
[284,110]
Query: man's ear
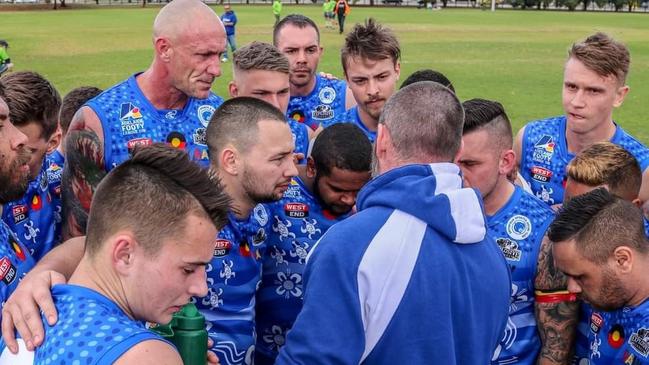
[54,141]
[229,160]
[123,247]
[163,49]
[233,89]
[311,170]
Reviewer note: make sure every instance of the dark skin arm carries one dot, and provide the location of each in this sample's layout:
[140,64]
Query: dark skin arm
[84,169]
[556,321]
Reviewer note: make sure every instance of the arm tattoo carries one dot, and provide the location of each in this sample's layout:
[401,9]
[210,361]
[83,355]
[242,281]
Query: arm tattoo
[556,321]
[84,169]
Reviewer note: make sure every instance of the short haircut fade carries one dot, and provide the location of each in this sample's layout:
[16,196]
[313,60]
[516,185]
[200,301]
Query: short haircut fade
[151,195]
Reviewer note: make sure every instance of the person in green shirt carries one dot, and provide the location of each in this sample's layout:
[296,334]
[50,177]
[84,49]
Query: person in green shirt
[277,10]
[328,10]
[5,61]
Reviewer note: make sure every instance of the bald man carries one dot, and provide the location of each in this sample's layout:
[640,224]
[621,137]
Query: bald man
[169,102]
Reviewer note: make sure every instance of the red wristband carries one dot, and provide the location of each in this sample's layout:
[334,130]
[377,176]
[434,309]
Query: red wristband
[556,297]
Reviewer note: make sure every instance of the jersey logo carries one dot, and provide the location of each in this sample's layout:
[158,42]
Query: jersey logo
[639,341]
[205,113]
[222,248]
[18,250]
[628,358]
[327,95]
[7,271]
[131,119]
[519,227]
[37,203]
[19,212]
[296,210]
[200,153]
[260,214]
[322,112]
[596,322]
[131,144]
[541,174]
[200,136]
[297,115]
[509,248]
[54,172]
[177,140]
[543,149]
[616,336]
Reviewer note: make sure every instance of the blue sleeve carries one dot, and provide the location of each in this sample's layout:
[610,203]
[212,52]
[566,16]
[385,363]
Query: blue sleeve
[329,329]
[235,19]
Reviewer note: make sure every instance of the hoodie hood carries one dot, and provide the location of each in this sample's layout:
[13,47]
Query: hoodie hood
[432,193]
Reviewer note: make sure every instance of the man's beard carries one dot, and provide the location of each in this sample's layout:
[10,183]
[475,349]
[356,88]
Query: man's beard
[250,185]
[612,294]
[11,188]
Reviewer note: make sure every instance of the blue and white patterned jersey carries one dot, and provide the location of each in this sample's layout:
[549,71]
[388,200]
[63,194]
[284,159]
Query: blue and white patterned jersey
[519,228]
[91,329]
[56,157]
[351,116]
[620,336]
[325,103]
[300,138]
[545,156]
[36,217]
[15,262]
[233,277]
[128,119]
[298,222]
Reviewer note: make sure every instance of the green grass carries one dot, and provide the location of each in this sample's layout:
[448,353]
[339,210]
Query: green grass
[515,57]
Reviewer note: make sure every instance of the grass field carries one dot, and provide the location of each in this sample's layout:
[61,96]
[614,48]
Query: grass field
[515,57]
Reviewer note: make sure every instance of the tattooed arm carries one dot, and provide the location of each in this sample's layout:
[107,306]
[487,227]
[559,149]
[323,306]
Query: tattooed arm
[84,169]
[556,321]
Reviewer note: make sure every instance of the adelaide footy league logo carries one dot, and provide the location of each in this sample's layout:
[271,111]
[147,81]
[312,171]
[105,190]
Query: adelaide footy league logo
[544,149]
[131,119]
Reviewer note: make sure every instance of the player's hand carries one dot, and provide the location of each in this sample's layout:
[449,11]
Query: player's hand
[212,359]
[297,157]
[22,310]
[327,76]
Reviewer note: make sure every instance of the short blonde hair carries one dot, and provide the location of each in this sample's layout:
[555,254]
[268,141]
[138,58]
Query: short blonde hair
[605,163]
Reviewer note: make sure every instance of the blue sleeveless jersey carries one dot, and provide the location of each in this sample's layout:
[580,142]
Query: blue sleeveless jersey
[323,104]
[545,156]
[129,119]
[56,157]
[91,329]
[36,217]
[233,276]
[298,222]
[15,262]
[351,116]
[519,228]
[300,138]
[619,337]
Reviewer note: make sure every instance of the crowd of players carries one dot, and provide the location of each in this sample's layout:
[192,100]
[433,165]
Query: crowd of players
[448,240]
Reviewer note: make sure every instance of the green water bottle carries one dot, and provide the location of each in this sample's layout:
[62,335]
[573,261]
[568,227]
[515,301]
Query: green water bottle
[190,336]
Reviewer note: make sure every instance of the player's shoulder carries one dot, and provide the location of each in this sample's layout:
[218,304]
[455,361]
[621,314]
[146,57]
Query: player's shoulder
[153,351]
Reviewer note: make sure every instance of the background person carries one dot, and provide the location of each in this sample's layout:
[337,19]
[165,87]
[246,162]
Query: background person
[342,10]
[229,19]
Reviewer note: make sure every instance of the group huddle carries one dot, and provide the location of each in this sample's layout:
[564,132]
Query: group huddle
[315,220]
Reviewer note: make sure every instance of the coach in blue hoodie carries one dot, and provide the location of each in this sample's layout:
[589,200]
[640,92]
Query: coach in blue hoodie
[412,278]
